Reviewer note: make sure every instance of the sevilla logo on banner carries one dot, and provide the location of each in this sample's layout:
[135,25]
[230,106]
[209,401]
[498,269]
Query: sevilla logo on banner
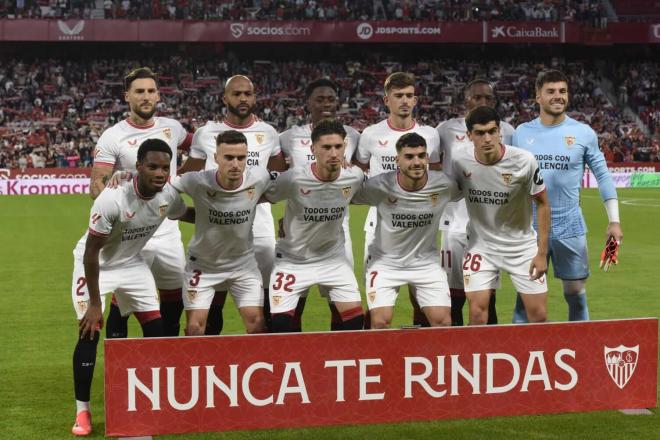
[621,362]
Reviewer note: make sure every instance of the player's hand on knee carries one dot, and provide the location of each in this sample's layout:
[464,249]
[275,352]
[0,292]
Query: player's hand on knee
[118,178]
[91,322]
[538,268]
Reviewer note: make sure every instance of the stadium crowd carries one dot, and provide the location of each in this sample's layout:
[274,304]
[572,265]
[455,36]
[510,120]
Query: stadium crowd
[589,11]
[52,112]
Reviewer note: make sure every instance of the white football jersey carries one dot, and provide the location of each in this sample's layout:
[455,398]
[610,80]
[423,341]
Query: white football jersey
[296,144]
[129,221]
[453,135]
[263,143]
[311,229]
[499,199]
[223,218]
[377,145]
[118,146]
[407,225]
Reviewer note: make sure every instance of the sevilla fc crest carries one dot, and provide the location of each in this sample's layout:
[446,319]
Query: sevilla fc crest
[167,132]
[506,177]
[260,138]
[192,294]
[346,191]
[434,198]
[621,362]
[372,296]
[162,210]
[277,299]
[250,192]
[570,140]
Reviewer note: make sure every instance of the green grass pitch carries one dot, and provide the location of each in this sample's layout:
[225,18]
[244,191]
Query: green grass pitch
[38,326]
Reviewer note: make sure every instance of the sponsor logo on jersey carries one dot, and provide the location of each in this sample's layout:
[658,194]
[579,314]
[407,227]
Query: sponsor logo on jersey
[211,193]
[434,198]
[460,138]
[97,151]
[466,174]
[192,294]
[167,132]
[277,299]
[621,362]
[304,192]
[372,296]
[260,137]
[162,209]
[250,192]
[305,142]
[466,279]
[570,140]
[530,141]
[506,177]
[132,143]
[382,143]
[130,215]
[392,200]
[346,191]
[95,218]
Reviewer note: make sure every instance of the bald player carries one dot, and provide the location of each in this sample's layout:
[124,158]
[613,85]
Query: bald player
[453,136]
[263,151]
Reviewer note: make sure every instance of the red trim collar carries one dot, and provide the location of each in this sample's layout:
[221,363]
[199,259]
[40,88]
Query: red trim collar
[398,174]
[313,167]
[502,148]
[239,127]
[414,122]
[140,127]
[137,191]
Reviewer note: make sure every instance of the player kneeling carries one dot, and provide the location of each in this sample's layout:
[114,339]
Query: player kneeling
[499,183]
[107,258]
[221,253]
[310,248]
[409,203]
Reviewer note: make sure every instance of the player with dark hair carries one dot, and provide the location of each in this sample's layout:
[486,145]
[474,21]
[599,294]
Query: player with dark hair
[409,204]
[376,152]
[116,150]
[499,183]
[563,147]
[453,136]
[322,101]
[263,151]
[310,247]
[108,258]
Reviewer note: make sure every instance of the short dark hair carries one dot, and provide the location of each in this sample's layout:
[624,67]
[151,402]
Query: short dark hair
[411,140]
[326,127]
[399,80]
[140,72]
[153,145]
[231,137]
[481,115]
[321,82]
[474,82]
[550,76]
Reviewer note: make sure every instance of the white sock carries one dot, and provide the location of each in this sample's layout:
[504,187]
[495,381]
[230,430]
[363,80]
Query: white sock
[81,406]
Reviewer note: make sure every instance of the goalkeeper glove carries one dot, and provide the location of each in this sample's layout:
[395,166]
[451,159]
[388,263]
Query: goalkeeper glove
[609,254]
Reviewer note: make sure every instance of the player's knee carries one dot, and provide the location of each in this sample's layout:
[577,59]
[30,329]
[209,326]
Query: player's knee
[574,287]
[195,328]
[380,321]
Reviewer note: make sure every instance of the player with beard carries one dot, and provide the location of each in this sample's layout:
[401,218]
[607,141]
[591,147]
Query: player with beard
[321,98]
[116,150]
[563,146]
[376,152]
[263,151]
[453,136]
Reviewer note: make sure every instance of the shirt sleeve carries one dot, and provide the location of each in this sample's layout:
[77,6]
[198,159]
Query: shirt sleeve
[455,192]
[514,138]
[178,207]
[285,142]
[363,154]
[276,149]
[281,187]
[106,152]
[537,186]
[183,183]
[104,213]
[352,140]
[197,146]
[598,165]
[434,146]
[371,192]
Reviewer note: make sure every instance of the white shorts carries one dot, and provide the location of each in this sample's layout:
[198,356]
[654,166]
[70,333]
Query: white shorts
[291,281]
[481,271]
[348,251]
[133,285]
[264,252]
[165,256]
[243,283]
[382,282]
[451,257]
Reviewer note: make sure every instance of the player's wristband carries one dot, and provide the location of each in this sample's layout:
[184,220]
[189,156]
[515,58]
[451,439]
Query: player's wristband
[612,208]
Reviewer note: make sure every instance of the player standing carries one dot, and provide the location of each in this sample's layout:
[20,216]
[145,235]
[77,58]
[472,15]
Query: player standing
[409,204]
[263,151]
[310,248]
[453,135]
[108,258]
[117,149]
[321,98]
[376,151]
[499,183]
[221,252]
[563,146]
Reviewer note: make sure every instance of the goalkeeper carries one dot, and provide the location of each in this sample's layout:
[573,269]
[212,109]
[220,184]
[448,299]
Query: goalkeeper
[562,147]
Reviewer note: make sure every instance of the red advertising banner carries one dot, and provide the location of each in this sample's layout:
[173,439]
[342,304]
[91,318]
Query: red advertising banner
[44,173]
[325,32]
[179,385]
